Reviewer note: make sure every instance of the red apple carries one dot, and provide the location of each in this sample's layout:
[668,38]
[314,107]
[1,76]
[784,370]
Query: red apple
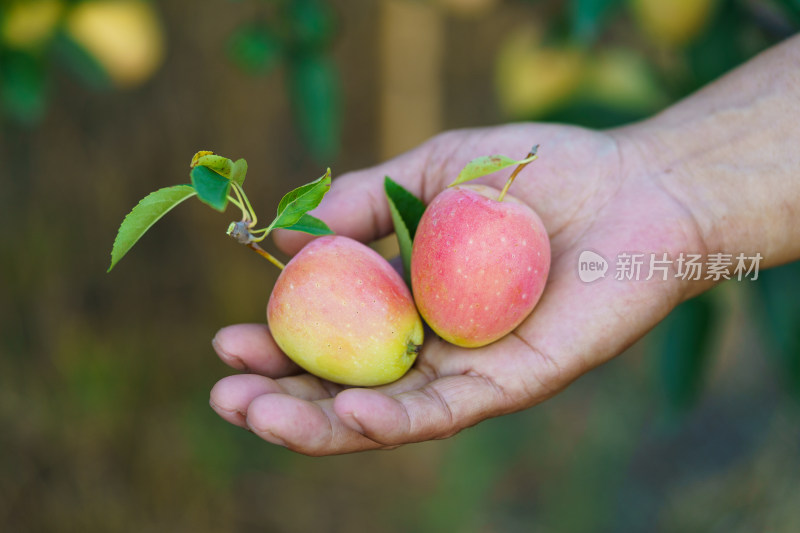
[340,311]
[478,265]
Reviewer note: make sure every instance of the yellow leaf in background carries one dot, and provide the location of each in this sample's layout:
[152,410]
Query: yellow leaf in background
[672,23]
[125,37]
[28,24]
[531,79]
[623,79]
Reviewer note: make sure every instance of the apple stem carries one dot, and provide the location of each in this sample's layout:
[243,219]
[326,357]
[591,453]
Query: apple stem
[265,254]
[241,232]
[532,157]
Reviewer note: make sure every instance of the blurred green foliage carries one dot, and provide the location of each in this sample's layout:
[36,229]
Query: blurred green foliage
[80,62]
[22,86]
[683,351]
[41,38]
[588,17]
[657,72]
[777,292]
[298,33]
[104,380]
[730,33]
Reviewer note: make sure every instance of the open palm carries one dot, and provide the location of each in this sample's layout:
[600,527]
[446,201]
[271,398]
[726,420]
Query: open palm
[591,190]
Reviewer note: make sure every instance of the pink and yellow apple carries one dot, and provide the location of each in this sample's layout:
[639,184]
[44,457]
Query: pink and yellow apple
[340,311]
[478,265]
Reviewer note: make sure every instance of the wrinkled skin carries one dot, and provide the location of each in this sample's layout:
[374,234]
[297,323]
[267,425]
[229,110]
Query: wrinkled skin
[591,190]
[715,173]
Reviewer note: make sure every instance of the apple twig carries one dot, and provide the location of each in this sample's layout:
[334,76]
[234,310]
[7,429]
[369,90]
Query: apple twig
[212,178]
[265,254]
[528,159]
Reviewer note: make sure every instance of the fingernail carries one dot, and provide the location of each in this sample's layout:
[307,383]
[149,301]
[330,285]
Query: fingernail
[212,404]
[231,360]
[268,436]
[274,439]
[354,424]
[221,410]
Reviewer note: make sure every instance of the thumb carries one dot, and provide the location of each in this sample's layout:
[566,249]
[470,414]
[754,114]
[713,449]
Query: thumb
[356,205]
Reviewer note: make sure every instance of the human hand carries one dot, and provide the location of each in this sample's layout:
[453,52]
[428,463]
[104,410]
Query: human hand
[593,190]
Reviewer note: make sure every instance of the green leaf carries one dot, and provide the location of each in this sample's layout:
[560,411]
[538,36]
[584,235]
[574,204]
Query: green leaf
[212,188]
[719,48]
[311,24]
[80,61]
[298,202]
[778,289]
[587,18]
[315,93]
[482,166]
[221,165]
[406,211]
[254,49]
[146,213]
[23,87]
[684,351]
[621,79]
[239,171]
[312,225]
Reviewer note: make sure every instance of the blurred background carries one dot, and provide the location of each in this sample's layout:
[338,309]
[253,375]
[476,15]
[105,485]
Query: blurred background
[104,379]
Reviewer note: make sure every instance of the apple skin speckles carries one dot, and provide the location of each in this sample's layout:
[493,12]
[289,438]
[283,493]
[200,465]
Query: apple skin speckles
[473,303]
[340,311]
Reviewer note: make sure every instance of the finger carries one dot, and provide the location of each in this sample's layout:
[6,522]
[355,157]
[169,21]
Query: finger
[234,393]
[251,348]
[231,395]
[413,379]
[311,428]
[437,410]
[308,387]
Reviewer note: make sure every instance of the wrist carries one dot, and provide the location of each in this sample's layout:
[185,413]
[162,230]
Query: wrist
[662,157]
[728,155]
[649,160]
[734,180]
